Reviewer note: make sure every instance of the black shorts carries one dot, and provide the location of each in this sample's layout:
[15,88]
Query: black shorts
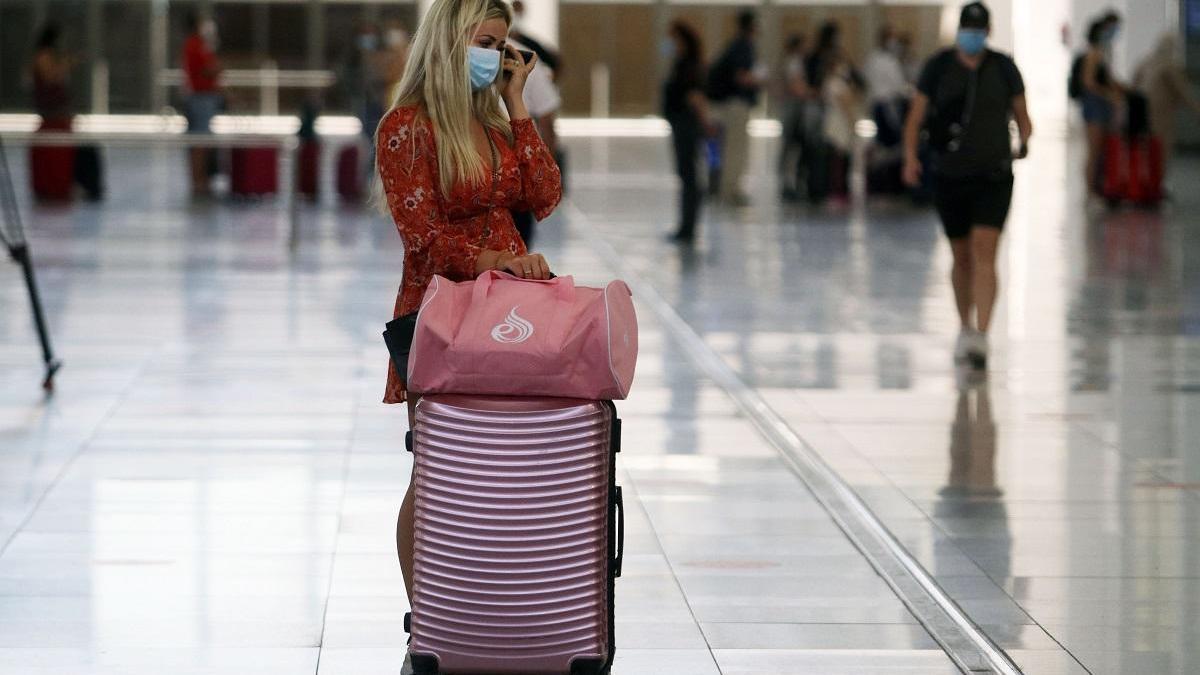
[963,203]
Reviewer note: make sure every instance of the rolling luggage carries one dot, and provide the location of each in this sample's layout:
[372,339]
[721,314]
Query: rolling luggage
[254,172]
[1133,169]
[518,535]
[52,167]
[349,186]
[308,170]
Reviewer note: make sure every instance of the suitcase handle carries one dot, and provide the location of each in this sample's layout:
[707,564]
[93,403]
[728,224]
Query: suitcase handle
[619,526]
[408,441]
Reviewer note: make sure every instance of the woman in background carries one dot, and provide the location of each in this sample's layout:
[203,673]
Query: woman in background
[686,110]
[1101,95]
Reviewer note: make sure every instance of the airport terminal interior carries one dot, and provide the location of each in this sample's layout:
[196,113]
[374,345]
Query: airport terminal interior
[813,485]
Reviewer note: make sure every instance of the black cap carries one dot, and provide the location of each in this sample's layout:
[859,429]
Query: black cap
[974,15]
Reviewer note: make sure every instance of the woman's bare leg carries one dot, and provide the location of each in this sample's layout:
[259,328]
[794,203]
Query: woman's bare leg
[984,243]
[405,526]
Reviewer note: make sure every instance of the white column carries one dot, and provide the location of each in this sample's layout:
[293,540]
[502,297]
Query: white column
[540,21]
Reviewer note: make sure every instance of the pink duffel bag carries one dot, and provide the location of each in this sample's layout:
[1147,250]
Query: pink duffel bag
[502,335]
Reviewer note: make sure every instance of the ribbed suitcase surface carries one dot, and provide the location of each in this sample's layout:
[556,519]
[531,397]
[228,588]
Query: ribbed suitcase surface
[513,519]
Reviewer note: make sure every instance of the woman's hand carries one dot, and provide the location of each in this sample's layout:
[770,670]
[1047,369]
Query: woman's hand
[516,73]
[532,266]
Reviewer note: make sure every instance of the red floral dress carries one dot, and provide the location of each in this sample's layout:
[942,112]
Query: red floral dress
[445,234]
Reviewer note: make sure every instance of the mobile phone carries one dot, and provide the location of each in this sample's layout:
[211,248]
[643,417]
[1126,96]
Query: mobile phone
[525,54]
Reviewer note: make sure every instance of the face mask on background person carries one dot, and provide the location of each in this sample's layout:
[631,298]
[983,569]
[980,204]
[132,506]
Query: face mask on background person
[484,65]
[367,42]
[971,40]
[666,48]
[1109,34]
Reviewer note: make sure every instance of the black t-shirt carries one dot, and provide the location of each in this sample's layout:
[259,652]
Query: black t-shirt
[722,79]
[969,112]
[686,77]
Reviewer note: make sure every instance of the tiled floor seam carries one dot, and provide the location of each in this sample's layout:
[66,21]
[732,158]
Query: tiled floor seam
[674,577]
[347,458]
[83,445]
[960,636]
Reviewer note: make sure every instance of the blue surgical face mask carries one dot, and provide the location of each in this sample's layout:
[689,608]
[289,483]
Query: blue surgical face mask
[1109,35]
[484,65]
[971,40]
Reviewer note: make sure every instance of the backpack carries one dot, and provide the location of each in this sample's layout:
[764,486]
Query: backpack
[1075,80]
[720,84]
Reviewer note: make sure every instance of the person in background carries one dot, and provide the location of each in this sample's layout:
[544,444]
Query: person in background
[51,72]
[887,87]
[840,96]
[686,110]
[970,93]
[733,86]
[548,57]
[543,100]
[202,72]
[826,156]
[795,96]
[1101,94]
[1162,79]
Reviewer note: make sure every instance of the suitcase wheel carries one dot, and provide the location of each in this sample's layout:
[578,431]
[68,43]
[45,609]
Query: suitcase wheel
[424,664]
[589,667]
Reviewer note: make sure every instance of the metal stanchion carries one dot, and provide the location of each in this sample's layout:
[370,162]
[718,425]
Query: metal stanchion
[12,235]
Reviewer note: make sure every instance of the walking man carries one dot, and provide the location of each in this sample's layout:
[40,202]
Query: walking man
[733,85]
[965,98]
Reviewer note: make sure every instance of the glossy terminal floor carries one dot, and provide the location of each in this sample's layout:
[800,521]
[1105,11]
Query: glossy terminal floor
[213,487]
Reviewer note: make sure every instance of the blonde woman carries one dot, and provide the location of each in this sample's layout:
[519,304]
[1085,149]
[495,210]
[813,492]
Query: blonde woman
[453,162]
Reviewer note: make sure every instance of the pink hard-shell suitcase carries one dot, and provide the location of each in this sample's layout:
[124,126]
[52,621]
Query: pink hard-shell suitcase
[518,535]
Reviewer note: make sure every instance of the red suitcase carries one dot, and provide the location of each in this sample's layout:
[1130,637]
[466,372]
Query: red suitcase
[518,535]
[254,171]
[308,161]
[349,186]
[1133,169]
[52,167]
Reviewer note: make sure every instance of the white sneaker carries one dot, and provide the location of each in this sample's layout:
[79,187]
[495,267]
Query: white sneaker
[963,345]
[977,350]
[971,348]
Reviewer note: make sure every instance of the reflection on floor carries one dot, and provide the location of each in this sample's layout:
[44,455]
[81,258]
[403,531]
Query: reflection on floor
[213,487]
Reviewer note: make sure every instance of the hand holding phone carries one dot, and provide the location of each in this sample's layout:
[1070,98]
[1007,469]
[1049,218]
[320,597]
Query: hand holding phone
[517,65]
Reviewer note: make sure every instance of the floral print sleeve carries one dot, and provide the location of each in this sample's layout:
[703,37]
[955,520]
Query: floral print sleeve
[408,168]
[541,182]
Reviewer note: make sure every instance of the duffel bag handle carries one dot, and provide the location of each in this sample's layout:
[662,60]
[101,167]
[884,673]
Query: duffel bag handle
[565,286]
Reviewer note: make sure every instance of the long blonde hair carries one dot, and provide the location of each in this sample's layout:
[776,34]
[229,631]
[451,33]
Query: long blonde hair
[436,77]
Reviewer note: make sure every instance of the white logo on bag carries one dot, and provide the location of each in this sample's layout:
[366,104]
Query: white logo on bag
[513,330]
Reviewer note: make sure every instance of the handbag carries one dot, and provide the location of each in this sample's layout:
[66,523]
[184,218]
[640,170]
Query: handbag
[506,336]
[398,336]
